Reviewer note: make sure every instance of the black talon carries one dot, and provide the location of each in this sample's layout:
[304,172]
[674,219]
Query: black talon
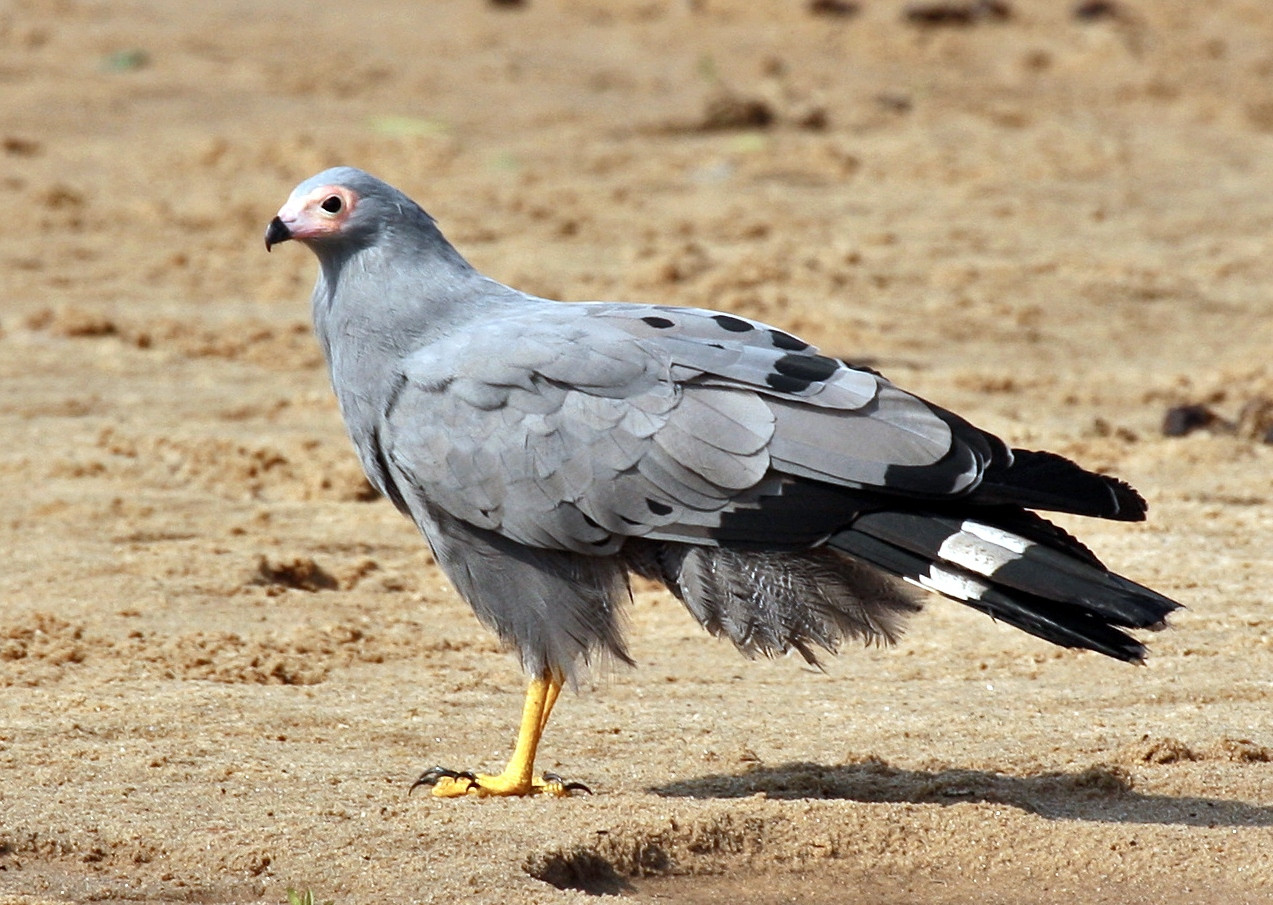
[568,786]
[431,776]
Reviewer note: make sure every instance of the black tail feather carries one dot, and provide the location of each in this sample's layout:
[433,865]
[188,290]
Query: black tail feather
[1067,626]
[1019,560]
[1027,578]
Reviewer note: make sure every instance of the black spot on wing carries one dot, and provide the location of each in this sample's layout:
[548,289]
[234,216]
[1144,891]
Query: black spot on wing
[810,368]
[657,507]
[785,384]
[661,323]
[795,373]
[732,324]
[787,342]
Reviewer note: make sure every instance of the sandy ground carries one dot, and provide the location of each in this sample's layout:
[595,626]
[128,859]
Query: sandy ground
[222,663]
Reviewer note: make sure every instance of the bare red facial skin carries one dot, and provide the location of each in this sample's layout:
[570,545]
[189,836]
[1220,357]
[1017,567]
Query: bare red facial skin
[320,212]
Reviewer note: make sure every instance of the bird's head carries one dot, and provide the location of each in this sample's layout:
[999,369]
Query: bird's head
[339,209]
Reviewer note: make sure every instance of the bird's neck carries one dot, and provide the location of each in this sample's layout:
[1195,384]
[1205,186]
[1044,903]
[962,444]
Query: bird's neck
[376,305]
[392,298]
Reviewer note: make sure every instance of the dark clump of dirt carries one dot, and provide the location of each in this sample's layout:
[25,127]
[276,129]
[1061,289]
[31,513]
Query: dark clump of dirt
[301,574]
[1095,10]
[731,111]
[930,15]
[1254,421]
[840,9]
[581,869]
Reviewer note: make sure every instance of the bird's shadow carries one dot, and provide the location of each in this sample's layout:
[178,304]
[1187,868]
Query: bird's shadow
[1100,793]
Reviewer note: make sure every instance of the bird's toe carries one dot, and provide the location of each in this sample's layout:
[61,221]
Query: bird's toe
[554,785]
[445,782]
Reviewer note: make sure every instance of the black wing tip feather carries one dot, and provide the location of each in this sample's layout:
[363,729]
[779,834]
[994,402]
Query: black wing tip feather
[1132,507]
[1037,479]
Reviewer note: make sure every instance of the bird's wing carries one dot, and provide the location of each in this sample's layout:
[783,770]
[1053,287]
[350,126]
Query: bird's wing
[832,422]
[573,426]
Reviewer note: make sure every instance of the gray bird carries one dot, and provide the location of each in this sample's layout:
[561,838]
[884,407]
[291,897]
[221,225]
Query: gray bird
[547,451]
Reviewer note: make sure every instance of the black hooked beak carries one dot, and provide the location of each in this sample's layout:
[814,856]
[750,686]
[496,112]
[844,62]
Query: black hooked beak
[276,232]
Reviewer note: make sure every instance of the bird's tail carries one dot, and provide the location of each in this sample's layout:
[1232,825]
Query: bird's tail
[1016,567]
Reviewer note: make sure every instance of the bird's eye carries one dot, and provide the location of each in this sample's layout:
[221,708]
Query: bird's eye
[332,204]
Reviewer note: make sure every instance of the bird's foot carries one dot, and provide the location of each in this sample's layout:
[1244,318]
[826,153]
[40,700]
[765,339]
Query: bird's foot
[457,784]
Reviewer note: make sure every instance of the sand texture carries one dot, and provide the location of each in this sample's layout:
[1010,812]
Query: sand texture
[223,660]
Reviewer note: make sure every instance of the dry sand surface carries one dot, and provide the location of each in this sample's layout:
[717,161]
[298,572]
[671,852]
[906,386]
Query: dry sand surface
[222,662]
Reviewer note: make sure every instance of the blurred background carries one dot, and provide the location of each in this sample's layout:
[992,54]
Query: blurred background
[1052,217]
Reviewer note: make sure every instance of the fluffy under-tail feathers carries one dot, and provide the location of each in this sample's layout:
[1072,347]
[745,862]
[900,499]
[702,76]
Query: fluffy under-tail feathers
[771,602]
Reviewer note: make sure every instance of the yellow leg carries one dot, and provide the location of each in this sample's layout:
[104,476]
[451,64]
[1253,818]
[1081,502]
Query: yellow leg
[518,777]
[550,699]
